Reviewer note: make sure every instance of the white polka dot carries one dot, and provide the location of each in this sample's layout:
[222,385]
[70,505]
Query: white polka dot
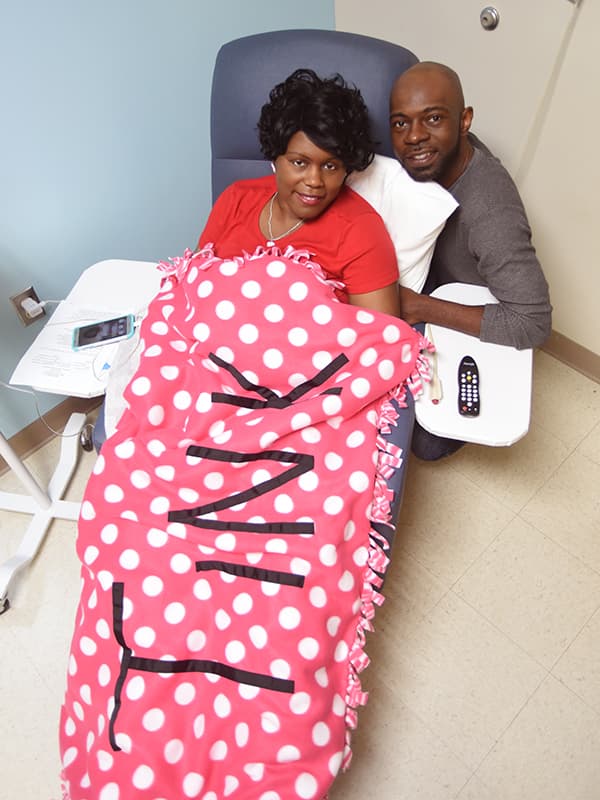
[143,777]
[140,386]
[332,404]
[225,310]
[306,786]
[368,357]
[335,762]
[364,317]
[218,752]
[87,646]
[69,756]
[125,449]
[283,504]
[109,792]
[300,703]
[104,675]
[258,636]
[273,313]
[346,582]
[154,719]
[174,613]
[248,334]
[109,533]
[359,481]
[196,640]
[199,726]
[156,447]
[298,291]
[391,334]
[321,359]
[242,604]
[140,479]
[311,435]
[386,369]
[185,694]
[169,372]
[180,563]
[333,461]
[254,771]
[242,734]
[156,537]
[251,289]
[182,400]
[231,784]
[269,722]
[205,288]
[298,337]
[321,677]
[226,541]
[308,648]
[333,625]
[308,482]
[235,652]
[280,668]
[272,358]
[113,493]
[174,751]
[322,314]
[166,472]
[201,332]
[144,636]
[360,387]
[135,688]
[192,784]
[222,619]
[333,505]
[321,734]
[300,565]
[287,754]
[248,692]
[318,597]
[289,618]
[406,353]
[129,559]
[346,337]
[341,652]
[91,554]
[276,269]
[159,506]
[156,415]
[328,555]
[222,706]
[202,590]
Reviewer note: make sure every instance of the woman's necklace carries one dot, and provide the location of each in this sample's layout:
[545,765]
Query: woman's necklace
[270,220]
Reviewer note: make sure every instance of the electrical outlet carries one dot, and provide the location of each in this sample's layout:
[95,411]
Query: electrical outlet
[17,299]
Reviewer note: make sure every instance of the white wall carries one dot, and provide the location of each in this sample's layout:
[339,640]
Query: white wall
[104,140]
[547,139]
[561,186]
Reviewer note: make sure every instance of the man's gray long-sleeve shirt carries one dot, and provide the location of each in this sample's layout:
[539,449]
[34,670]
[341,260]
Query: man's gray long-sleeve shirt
[487,241]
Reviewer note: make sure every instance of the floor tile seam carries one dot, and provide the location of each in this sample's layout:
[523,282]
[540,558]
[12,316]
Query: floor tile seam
[487,547]
[500,737]
[499,500]
[574,639]
[560,545]
[570,689]
[502,632]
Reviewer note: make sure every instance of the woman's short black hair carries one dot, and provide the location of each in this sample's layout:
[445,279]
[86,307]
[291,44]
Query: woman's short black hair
[330,112]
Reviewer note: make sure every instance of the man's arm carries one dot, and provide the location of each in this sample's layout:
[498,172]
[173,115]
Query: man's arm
[423,308]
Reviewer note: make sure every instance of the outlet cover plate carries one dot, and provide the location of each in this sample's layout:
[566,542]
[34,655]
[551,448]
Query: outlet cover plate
[17,299]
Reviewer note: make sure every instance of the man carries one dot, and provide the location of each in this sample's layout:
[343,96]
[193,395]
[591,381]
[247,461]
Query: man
[486,241]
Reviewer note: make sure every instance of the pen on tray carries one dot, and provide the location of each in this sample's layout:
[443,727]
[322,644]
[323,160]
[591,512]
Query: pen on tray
[435,387]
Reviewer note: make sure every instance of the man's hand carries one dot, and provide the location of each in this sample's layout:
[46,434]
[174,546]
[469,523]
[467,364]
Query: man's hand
[409,301]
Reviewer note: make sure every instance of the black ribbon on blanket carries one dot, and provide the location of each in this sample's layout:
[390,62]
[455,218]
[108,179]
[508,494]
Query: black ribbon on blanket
[158,665]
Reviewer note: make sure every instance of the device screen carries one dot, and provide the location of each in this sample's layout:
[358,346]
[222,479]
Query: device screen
[108,330]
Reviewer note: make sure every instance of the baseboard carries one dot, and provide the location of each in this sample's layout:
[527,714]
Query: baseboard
[36,434]
[574,355]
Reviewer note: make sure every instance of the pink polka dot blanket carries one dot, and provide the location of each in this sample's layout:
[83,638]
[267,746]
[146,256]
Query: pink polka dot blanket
[230,538]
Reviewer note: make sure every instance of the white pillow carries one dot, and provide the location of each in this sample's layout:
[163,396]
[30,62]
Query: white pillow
[414,214]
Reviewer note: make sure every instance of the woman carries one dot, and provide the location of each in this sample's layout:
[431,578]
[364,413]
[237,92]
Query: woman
[315,131]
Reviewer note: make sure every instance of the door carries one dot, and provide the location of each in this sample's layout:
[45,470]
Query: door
[507,73]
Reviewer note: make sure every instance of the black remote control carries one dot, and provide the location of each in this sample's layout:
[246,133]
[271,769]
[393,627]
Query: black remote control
[468,387]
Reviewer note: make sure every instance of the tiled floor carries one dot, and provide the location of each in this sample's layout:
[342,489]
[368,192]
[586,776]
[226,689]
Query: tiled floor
[485,681]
